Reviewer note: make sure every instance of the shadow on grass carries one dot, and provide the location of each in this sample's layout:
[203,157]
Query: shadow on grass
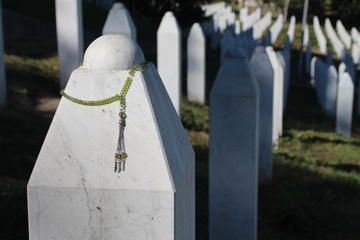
[302,110]
[309,203]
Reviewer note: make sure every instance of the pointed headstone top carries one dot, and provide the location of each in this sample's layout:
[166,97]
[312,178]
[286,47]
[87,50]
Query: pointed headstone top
[119,21]
[196,32]
[169,24]
[113,52]
[118,5]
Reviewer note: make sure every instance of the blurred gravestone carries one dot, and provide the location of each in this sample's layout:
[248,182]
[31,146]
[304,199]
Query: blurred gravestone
[278,93]
[261,68]
[169,57]
[196,64]
[119,21]
[69,30]
[233,159]
[73,192]
[330,90]
[344,106]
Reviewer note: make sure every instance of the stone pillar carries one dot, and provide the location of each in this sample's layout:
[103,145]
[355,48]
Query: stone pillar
[119,21]
[261,68]
[233,159]
[330,90]
[3,85]
[226,44]
[196,62]
[285,60]
[344,104]
[169,57]
[312,70]
[278,93]
[69,30]
[73,192]
[237,27]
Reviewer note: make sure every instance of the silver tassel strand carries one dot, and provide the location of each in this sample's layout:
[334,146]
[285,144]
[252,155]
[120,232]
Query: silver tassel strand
[120,155]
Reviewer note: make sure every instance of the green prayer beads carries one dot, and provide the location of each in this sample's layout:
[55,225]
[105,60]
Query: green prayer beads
[120,155]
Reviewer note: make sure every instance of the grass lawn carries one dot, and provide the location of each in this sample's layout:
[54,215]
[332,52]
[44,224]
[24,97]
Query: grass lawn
[315,192]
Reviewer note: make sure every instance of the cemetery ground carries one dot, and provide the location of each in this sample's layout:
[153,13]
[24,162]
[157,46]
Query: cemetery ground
[315,192]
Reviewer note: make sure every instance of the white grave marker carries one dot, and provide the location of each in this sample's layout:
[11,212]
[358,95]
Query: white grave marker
[169,57]
[69,30]
[278,93]
[344,106]
[262,71]
[119,21]
[233,152]
[196,64]
[73,192]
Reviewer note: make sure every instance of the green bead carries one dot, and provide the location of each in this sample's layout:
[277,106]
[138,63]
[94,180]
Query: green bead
[122,115]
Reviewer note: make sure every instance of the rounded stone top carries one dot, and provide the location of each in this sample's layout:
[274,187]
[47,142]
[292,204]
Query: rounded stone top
[118,5]
[169,14]
[113,52]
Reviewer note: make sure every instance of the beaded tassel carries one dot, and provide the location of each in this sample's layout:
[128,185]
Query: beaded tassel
[120,155]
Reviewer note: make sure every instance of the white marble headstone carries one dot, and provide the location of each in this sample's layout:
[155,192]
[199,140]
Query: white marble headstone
[69,31]
[276,28]
[169,57]
[330,90]
[233,152]
[261,68]
[343,34]
[320,37]
[119,21]
[278,93]
[291,30]
[73,192]
[344,105]
[196,64]
[312,70]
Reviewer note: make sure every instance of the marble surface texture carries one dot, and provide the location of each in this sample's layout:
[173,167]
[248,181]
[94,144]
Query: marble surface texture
[196,64]
[69,31]
[73,192]
[169,57]
[119,21]
[261,68]
[233,152]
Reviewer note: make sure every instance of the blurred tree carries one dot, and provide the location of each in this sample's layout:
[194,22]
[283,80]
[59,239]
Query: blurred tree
[347,10]
[186,11]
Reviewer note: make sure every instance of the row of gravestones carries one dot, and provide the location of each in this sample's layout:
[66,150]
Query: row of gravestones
[246,102]
[72,193]
[320,37]
[340,39]
[337,44]
[335,90]
[355,51]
